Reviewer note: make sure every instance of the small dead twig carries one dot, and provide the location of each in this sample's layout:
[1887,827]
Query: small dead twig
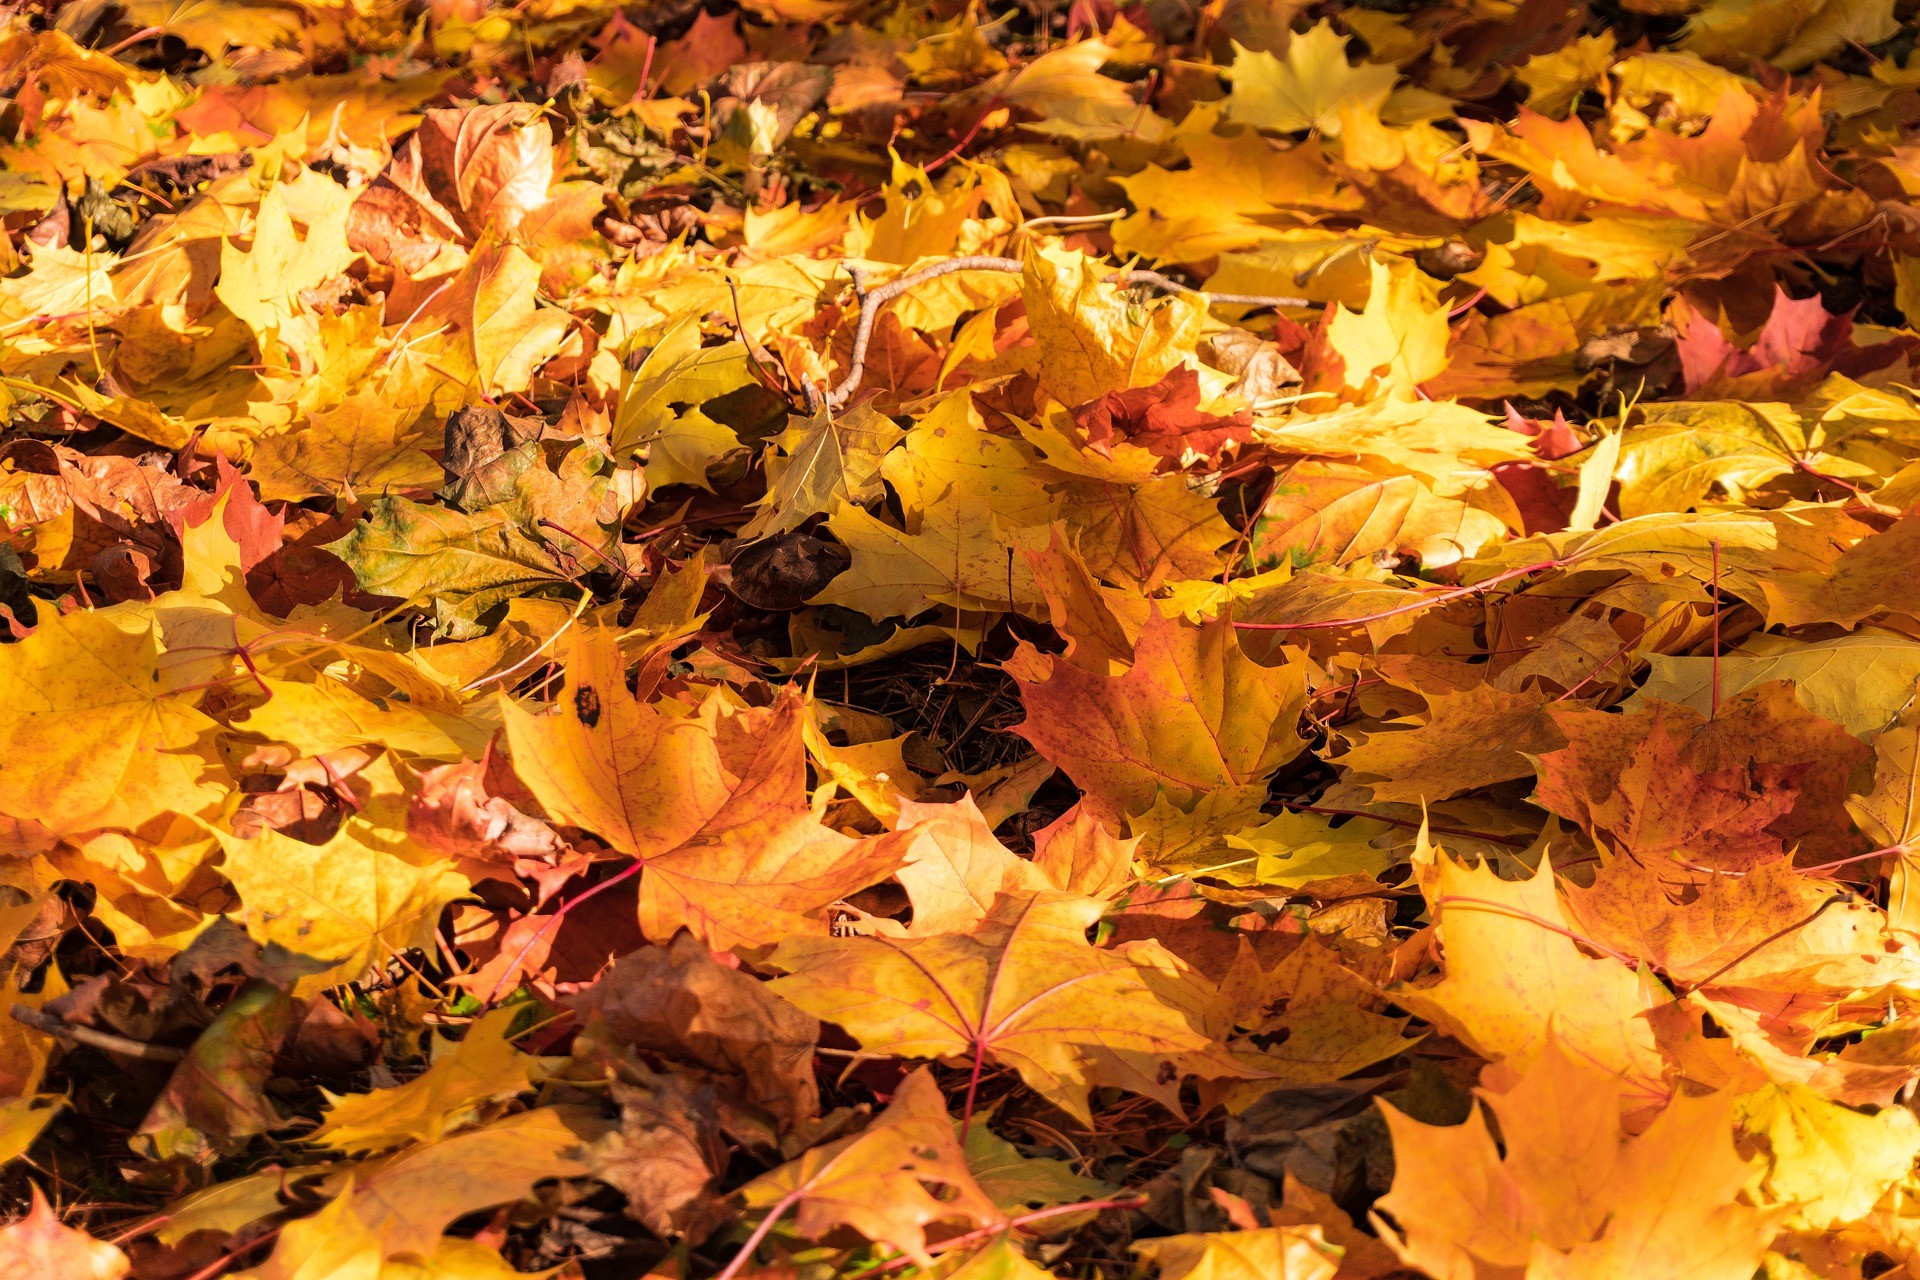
[106,1041]
[871,300]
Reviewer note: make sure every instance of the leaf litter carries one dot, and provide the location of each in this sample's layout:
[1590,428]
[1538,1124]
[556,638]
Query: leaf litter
[828,638]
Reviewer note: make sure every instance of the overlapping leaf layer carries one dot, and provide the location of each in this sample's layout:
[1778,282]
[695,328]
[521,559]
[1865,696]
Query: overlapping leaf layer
[827,638]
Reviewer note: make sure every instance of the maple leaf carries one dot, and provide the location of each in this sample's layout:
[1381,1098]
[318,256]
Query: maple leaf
[1285,1253]
[216,1098]
[263,285]
[1771,928]
[1078,854]
[1338,514]
[955,868]
[905,1172]
[1192,714]
[487,329]
[1555,80]
[99,732]
[1024,988]
[678,1000]
[665,1156]
[1680,454]
[1800,344]
[1087,339]
[1296,849]
[465,564]
[1400,338]
[1515,979]
[1667,782]
[826,462]
[1468,739]
[23,1120]
[957,556]
[1859,681]
[1867,578]
[1830,1162]
[1306,88]
[1165,419]
[714,804]
[1889,811]
[1570,1194]
[38,1244]
[678,371]
[401,1205]
[463,1077]
[488,711]
[336,1243]
[491,165]
[1331,1027]
[351,901]
[365,444]
[1015,1181]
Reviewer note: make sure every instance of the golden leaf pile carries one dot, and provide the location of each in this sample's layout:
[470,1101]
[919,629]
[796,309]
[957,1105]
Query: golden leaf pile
[827,639]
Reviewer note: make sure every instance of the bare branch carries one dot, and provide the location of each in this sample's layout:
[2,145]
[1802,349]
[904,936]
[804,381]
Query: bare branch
[47,1024]
[871,300]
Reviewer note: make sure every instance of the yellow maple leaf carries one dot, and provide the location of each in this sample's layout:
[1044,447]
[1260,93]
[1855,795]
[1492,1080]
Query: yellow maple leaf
[1515,979]
[1191,715]
[1401,336]
[1306,88]
[1024,988]
[99,732]
[1570,1195]
[1088,338]
[465,1075]
[351,901]
[714,803]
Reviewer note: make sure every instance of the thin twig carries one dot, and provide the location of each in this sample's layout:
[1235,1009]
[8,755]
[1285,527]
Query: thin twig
[740,1258]
[1519,913]
[1015,1223]
[871,300]
[1759,946]
[586,597]
[47,1024]
[605,559]
[1069,220]
[1445,597]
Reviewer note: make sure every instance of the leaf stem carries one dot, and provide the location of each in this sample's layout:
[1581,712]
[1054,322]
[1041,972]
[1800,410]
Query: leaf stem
[973,1088]
[553,922]
[1011,1224]
[780,1207]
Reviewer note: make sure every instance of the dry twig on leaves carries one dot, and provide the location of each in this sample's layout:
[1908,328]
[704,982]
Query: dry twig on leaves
[872,299]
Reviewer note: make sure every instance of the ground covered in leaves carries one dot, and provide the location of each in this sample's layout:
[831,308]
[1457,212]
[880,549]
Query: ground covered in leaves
[836,638]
